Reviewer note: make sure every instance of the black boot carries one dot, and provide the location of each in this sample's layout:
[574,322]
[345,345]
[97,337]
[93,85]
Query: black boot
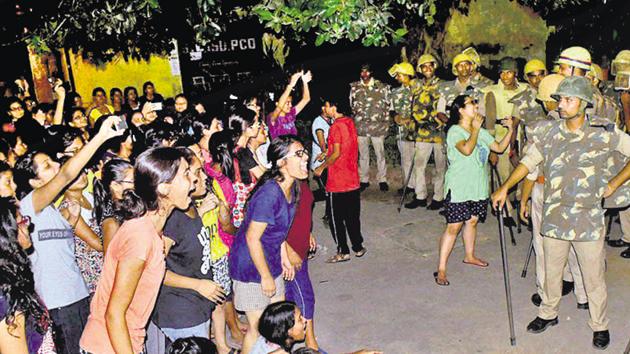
[626,253]
[435,205]
[601,339]
[539,325]
[364,186]
[536,300]
[583,306]
[567,287]
[618,243]
[383,186]
[416,203]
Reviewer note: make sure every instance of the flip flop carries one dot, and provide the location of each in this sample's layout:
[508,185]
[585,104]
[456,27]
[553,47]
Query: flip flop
[435,276]
[484,265]
[338,258]
[361,253]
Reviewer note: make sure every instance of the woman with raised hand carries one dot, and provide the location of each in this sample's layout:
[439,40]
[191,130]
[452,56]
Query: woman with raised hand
[282,120]
[58,279]
[466,183]
[134,264]
[258,256]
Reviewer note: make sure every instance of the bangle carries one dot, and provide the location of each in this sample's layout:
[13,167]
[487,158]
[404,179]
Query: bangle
[30,250]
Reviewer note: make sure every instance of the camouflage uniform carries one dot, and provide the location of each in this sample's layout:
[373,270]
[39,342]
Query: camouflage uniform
[426,130]
[449,90]
[572,272]
[575,167]
[527,110]
[402,105]
[370,106]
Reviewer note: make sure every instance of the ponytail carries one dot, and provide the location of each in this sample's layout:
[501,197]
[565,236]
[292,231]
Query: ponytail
[131,206]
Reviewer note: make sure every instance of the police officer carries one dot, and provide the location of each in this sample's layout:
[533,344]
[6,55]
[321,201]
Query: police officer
[401,97]
[463,68]
[476,60]
[498,107]
[573,154]
[429,136]
[369,100]
[533,185]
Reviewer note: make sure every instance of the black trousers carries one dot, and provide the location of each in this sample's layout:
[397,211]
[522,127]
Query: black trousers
[321,182]
[345,220]
[68,324]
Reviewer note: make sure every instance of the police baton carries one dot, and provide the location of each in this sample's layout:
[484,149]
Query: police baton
[627,351]
[506,273]
[407,178]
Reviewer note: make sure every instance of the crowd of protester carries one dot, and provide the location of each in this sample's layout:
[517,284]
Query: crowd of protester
[144,224]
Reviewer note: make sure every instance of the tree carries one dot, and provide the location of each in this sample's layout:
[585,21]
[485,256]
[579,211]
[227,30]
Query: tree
[138,28]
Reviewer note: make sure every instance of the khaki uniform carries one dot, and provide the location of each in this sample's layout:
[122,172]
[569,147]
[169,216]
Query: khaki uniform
[576,176]
[572,272]
[402,97]
[370,105]
[504,108]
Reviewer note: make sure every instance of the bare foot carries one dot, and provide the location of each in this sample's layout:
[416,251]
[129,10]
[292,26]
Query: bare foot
[476,261]
[440,278]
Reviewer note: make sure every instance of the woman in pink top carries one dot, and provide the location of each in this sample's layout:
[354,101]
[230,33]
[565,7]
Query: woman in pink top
[134,264]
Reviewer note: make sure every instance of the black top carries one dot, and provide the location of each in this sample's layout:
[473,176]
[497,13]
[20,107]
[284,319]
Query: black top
[189,256]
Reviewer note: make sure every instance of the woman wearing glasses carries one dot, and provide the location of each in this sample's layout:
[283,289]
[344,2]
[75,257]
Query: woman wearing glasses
[466,183]
[258,255]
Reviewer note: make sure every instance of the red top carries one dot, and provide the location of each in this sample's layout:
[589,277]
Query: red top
[343,175]
[300,231]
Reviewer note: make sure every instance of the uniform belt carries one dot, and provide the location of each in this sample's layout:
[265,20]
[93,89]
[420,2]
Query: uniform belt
[540,180]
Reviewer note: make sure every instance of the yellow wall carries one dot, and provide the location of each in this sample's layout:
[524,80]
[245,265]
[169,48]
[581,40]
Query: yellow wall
[120,73]
[514,29]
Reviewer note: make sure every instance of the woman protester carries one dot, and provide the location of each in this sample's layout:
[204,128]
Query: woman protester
[134,265]
[282,120]
[467,179]
[58,279]
[23,318]
[258,257]
[116,177]
[244,128]
[188,285]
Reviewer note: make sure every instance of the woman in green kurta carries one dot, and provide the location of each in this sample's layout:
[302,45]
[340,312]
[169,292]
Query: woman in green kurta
[466,184]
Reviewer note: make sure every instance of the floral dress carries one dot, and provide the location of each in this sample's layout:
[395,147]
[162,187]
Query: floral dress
[89,260]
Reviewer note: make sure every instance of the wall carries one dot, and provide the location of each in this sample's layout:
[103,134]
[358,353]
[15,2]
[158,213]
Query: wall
[497,28]
[120,73]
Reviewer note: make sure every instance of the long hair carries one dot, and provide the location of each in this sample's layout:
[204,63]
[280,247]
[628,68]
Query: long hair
[16,278]
[238,122]
[104,204]
[221,146]
[458,103]
[276,321]
[192,345]
[24,170]
[152,167]
[278,150]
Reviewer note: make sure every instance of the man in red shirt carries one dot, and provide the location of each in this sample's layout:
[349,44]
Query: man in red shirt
[343,183]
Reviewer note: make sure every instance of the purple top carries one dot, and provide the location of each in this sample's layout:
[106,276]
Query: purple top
[34,339]
[268,205]
[284,125]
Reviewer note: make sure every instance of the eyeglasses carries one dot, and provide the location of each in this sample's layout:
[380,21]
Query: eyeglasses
[472,101]
[298,153]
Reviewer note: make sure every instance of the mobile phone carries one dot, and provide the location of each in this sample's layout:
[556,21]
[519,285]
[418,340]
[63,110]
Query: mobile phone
[122,124]
[156,106]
